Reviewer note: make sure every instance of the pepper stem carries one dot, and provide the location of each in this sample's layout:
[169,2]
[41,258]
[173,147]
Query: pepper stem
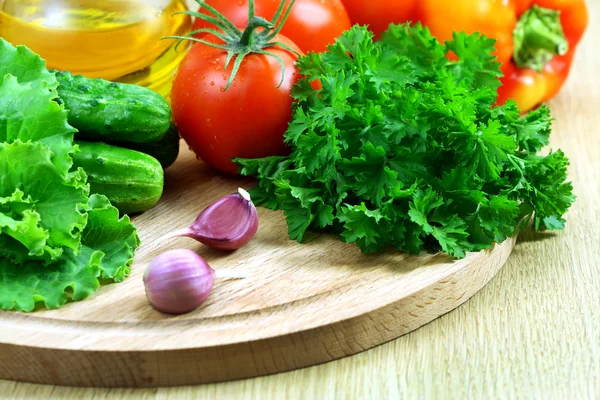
[538,37]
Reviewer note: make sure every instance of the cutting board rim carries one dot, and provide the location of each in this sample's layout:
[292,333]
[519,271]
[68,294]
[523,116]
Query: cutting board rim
[114,329]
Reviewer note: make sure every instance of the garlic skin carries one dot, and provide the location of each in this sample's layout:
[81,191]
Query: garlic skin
[227,224]
[178,281]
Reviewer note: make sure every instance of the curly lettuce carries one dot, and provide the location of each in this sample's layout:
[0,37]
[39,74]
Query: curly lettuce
[56,242]
[33,188]
[108,246]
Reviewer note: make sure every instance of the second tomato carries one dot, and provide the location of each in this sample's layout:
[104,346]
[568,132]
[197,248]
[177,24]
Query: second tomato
[379,14]
[312,24]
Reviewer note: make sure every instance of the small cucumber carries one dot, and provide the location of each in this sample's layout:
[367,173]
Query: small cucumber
[166,150]
[109,111]
[132,181]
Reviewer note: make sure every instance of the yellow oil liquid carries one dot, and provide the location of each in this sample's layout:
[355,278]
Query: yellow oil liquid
[110,39]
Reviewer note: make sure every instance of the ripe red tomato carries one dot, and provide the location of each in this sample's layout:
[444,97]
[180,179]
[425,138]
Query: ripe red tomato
[379,14]
[312,24]
[249,118]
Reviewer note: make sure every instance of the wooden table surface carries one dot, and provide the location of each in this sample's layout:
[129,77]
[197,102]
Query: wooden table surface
[533,332]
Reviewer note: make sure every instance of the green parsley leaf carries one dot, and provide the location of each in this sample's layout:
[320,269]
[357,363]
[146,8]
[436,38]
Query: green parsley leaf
[362,226]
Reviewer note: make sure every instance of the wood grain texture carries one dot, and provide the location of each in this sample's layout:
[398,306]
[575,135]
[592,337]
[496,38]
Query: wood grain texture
[533,332]
[304,304]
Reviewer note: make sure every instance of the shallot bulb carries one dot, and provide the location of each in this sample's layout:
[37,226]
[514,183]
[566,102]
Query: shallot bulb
[179,281]
[227,224]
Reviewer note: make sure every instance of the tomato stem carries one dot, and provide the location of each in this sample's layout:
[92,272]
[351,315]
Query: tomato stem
[237,43]
[220,18]
[247,38]
[285,17]
[279,11]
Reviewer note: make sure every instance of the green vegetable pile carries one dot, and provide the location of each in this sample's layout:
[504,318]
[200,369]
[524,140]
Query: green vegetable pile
[56,241]
[404,148]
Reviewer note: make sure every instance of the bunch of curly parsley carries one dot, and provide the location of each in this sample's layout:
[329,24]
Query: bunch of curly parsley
[404,148]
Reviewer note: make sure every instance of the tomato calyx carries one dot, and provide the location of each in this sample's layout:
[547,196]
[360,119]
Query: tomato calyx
[257,36]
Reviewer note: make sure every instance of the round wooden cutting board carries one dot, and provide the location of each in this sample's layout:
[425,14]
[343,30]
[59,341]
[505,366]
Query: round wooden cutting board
[303,304]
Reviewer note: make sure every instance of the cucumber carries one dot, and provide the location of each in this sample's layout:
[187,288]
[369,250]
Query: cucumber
[132,181]
[166,150]
[109,111]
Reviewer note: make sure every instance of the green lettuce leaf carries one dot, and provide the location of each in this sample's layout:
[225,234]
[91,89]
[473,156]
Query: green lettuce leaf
[116,238]
[33,189]
[107,252]
[18,221]
[28,113]
[72,277]
[25,65]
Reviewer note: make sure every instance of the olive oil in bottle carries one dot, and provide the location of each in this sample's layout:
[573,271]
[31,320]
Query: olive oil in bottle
[110,39]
